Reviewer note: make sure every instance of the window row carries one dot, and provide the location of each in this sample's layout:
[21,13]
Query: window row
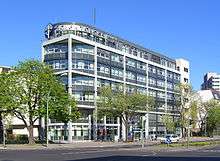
[83,64]
[83,96]
[111,41]
[83,48]
[57,64]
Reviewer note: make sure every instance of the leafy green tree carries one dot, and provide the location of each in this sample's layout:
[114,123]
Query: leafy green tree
[168,122]
[123,105]
[25,91]
[186,102]
[213,119]
[203,113]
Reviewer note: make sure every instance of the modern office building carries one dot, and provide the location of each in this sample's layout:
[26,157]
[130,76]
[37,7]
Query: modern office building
[86,58]
[211,81]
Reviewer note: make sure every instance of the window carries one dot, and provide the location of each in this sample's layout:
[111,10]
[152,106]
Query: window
[163,62]
[130,62]
[83,64]
[161,72]
[152,69]
[82,48]
[186,70]
[186,80]
[152,81]
[116,58]
[130,75]
[169,75]
[103,53]
[141,65]
[152,93]
[58,64]
[117,72]
[160,94]
[86,81]
[102,82]
[169,85]
[141,78]
[170,96]
[177,76]
[178,68]
[82,96]
[160,83]
[103,69]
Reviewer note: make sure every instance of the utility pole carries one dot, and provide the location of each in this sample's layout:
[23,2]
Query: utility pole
[94,16]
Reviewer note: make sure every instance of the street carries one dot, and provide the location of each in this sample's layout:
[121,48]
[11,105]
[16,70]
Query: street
[112,154]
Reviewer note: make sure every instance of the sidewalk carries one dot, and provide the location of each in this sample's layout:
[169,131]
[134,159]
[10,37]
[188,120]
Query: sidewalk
[76,145]
[93,144]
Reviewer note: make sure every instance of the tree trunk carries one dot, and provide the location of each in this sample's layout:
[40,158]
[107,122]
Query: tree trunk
[126,131]
[31,134]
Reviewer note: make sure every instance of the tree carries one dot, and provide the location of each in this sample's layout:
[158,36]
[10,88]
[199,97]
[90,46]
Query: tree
[123,105]
[168,123]
[213,119]
[186,102]
[25,91]
[203,113]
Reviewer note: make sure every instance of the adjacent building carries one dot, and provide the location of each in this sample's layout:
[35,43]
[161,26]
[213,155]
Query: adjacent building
[211,81]
[86,58]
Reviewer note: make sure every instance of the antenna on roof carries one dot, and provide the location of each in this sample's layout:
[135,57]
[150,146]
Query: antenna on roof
[94,16]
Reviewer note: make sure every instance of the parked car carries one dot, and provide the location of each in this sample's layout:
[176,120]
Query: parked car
[170,138]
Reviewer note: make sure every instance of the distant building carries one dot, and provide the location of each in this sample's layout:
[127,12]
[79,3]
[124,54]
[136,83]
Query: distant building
[211,81]
[4,69]
[207,95]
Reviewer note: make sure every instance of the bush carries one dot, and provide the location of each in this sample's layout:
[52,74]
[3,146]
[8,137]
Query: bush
[17,139]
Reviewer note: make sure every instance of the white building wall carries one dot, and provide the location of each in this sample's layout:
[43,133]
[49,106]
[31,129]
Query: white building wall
[183,67]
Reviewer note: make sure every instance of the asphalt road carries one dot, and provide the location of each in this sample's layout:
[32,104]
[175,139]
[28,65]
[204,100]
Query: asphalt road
[111,154]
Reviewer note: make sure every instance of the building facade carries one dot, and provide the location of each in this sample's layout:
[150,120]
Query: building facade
[86,58]
[211,81]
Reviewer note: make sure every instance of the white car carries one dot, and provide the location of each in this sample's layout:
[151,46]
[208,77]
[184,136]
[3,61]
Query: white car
[170,138]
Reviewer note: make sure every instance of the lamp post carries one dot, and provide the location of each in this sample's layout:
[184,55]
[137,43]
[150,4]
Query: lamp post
[48,97]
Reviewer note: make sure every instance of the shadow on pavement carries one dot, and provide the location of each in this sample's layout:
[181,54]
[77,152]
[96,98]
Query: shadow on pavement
[149,158]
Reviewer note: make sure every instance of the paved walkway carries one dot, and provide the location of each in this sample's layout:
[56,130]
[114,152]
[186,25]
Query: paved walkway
[88,144]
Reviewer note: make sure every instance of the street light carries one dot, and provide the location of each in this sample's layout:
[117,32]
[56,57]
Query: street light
[48,98]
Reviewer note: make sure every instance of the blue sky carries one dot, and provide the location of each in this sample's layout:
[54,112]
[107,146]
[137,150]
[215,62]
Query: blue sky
[184,28]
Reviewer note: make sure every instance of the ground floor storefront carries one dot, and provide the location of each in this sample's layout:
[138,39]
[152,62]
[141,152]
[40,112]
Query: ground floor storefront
[146,125]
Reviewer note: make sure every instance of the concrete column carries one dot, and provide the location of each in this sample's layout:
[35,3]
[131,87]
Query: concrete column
[124,74]
[105,128]
[165,91]
[147,126]
[119,132]
[95,126]
[70,139]
[90,127]
[123,130]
